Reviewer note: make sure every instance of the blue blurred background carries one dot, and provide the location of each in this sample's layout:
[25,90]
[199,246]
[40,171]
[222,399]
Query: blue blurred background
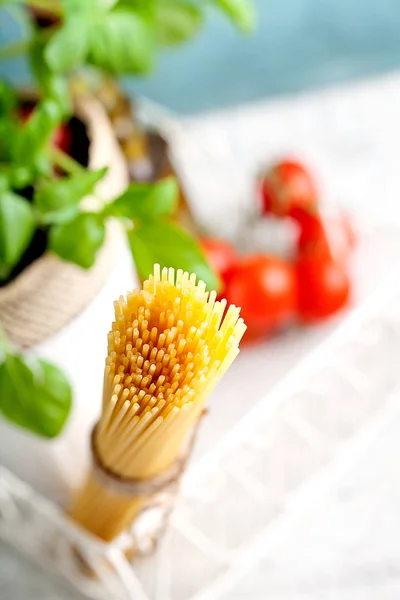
[299,44]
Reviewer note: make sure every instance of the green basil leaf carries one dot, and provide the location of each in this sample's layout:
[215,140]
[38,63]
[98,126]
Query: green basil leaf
[36,132]
[8,99]
[58,200]
[21,176]
[34,395]
[242,12]
[17,226]
[86,8]
[52,85]
[56,88]
[166,244]
[78,240]
[68,47]
[4,182]
[10,128]
[142,6]
[15,177]
[177,21]
[122,41]
[146,201]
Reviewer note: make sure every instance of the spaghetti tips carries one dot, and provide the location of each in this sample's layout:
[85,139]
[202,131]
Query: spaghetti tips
[168,347]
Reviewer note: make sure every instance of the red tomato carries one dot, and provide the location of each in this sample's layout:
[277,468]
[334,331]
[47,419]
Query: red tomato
[265,289]
[62,138]
[312,233]
[222,257]
[220,254]
[287,186]
[323,286]
[331,235]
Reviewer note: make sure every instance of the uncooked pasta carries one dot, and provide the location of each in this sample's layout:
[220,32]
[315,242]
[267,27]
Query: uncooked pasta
[170,344]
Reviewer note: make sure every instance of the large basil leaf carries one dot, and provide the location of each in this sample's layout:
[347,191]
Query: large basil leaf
[122,42]
[36,132]
[242,12]
[53,85]
[146,201]
[166,244]
[68,47]
[17,226]
[177,21]
[78,240]
[34,395]
[8,98]
[58,200]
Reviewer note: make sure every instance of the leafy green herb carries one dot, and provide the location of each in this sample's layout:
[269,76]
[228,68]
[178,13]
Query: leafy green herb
[146,201]
[17,226]
[86,9]
[34,395]
[4,182]
[122,42]
[9,128]
[20,176]
[242,12]
[51,84]
[166,244]
[68,47]
[14,177]
[118,41]
[78,240]
[35,134]
[8,99]
[58,200]
[147,7]
[177,21]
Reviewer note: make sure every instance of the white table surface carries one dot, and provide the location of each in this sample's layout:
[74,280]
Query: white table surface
[352,137]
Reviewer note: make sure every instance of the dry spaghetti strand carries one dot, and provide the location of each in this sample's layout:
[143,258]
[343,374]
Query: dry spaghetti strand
[169,345]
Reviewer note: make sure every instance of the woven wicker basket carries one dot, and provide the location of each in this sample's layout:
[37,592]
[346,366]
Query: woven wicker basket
[50,292]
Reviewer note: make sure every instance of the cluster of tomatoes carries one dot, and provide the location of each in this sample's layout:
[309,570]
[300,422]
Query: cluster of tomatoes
[272,291]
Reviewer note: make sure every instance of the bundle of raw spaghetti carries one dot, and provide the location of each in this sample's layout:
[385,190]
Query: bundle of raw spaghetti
[169,346]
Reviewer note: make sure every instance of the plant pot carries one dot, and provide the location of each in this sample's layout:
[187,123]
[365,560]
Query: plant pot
[46,295]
